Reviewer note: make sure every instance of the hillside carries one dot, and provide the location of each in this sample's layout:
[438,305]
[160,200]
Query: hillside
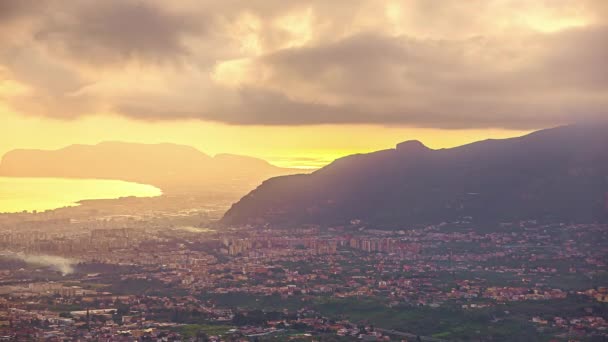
[173,168]
[556,174]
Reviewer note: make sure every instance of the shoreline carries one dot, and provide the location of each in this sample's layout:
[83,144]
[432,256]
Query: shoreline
[28,190]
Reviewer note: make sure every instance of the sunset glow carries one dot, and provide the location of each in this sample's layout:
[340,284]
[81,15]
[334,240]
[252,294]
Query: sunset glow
[300,146]
[296,83]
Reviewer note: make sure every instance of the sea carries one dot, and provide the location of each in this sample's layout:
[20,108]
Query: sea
[19,194]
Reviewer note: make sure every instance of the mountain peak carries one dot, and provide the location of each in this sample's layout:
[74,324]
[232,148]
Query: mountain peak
[557,175]
[412,146]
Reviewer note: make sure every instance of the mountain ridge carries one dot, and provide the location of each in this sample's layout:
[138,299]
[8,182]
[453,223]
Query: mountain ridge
[559,173]
[171,167]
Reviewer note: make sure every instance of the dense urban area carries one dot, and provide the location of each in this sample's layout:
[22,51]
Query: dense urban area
[135,269]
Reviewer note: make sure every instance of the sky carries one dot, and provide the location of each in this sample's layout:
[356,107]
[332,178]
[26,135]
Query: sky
[298,83]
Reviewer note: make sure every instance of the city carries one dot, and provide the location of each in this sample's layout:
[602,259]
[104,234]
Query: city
[165,275]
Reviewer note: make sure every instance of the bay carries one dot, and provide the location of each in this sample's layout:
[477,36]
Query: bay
[19,194]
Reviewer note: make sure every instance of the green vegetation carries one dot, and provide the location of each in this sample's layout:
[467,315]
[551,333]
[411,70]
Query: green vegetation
[247,301]
[502,322]
[144,286]
[193,330]
[304,338]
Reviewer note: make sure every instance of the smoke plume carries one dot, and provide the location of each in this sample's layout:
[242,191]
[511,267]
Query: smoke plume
[61,264]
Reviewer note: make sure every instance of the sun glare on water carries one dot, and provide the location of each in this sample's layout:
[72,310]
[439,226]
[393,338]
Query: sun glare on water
[40,194]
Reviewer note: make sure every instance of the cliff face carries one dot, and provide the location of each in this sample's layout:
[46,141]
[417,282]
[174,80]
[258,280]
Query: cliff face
[559,174]
[171,167]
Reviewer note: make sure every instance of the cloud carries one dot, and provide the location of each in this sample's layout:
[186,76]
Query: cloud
[537,80]
[10,10]
[479,64]
[114,31]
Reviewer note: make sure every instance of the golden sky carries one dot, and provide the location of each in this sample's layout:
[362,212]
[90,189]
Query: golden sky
[298,83]
[300,146]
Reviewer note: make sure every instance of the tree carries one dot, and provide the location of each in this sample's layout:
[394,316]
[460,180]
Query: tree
[201,336]
[65,315]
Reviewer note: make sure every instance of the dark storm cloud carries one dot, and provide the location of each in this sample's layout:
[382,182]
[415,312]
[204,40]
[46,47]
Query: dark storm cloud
[11,9]
[454,84]
[118,30]
[247,106]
